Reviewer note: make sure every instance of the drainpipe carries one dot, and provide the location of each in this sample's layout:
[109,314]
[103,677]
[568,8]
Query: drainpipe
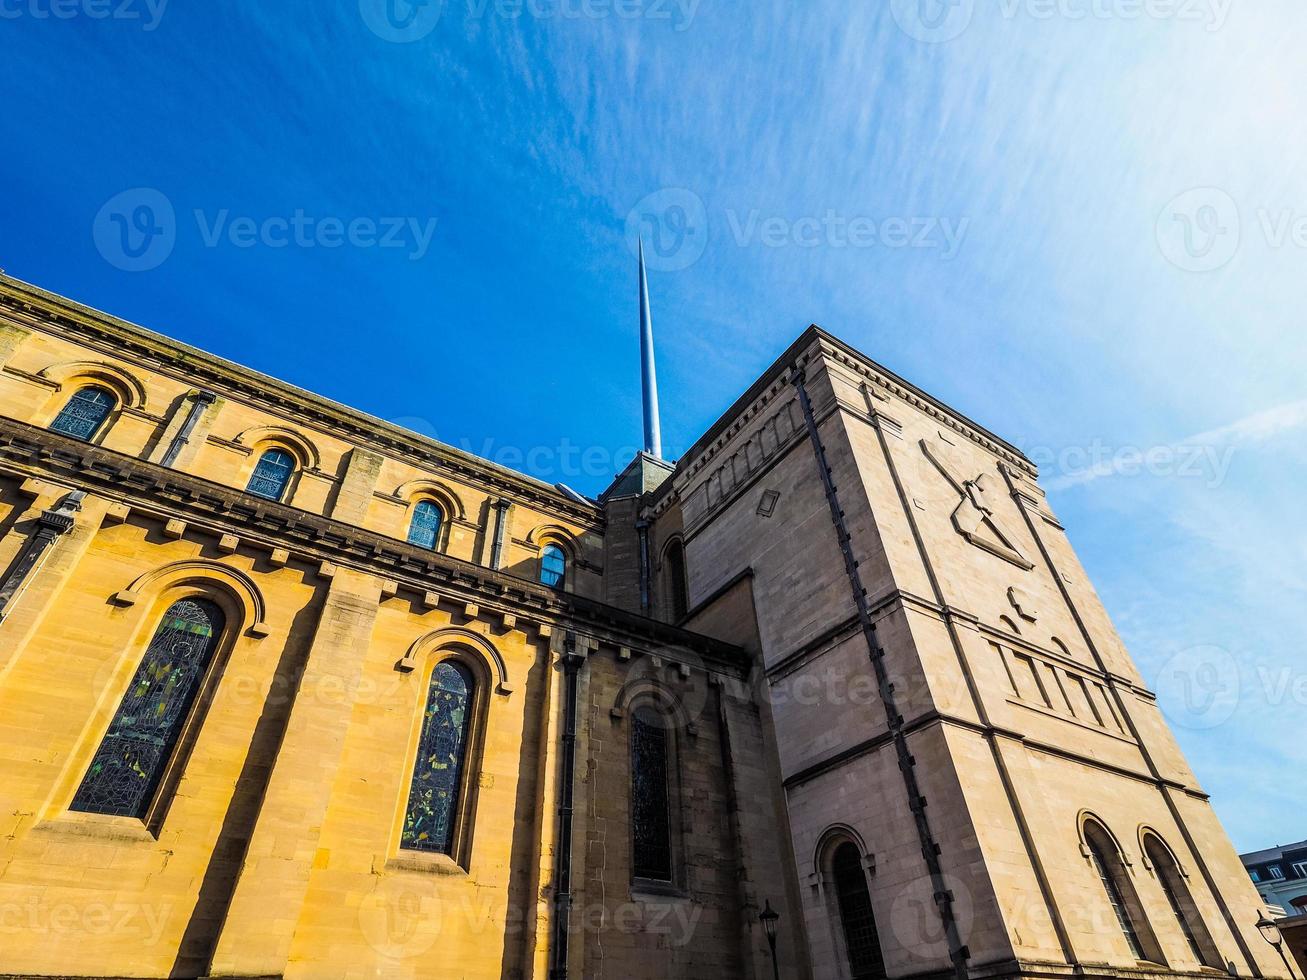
[50,526]
[501,528]
[563,870]
[201,401]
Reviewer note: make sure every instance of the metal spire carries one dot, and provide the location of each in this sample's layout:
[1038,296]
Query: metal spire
[653,437]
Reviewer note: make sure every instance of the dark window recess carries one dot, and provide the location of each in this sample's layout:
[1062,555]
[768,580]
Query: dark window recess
[85,412]
[650,806]
[856,916]
[130,762]
[1116,898]
[438,769]
[677,586]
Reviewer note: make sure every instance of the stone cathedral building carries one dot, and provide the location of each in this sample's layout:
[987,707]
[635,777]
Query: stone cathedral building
[288,691]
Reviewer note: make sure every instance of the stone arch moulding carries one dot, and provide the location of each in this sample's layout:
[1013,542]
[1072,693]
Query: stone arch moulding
[280,436]
[450,502]
[643,686]
[124,384]
[452,636]
[1089,816]
[1145,832]
[829,836]
[198,570]
[554,534]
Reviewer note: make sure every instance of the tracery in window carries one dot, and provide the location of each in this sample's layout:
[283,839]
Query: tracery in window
[125,772]
[424,529]
[272,475]
[431,815]
[85,413]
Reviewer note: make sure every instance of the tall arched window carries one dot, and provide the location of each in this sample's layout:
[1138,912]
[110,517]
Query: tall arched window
[424,529]
[272,475]
[1120,894]
[861,940]
[1182,903]
[677,591]
[433,797]
[85,413]
[127,768]
[651,818]
[553,566]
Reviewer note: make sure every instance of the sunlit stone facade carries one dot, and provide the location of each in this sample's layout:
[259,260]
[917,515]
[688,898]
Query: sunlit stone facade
[288,691]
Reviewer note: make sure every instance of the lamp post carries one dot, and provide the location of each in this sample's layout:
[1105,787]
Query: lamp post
[1271,933]
[769,917]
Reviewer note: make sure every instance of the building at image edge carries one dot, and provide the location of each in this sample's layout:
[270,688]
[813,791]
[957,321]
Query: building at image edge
[286,690]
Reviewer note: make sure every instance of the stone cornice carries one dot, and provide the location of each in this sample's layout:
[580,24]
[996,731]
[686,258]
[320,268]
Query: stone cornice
[36,309]
[296,535]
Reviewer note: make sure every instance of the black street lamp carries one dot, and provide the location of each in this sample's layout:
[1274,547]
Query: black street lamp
[1271,933]
[769,917]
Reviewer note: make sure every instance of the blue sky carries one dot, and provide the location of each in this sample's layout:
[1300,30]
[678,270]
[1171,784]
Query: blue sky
[1083,223]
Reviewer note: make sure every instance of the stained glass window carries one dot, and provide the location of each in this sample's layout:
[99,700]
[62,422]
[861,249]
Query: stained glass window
[856,916]
[651,836]
[424,531]
[438,770]
[125,773]
[1115,896]
[272,475]
[85,412]
[553,566]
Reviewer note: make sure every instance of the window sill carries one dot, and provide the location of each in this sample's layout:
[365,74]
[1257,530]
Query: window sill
[98,826]
[424,862]
[652,888]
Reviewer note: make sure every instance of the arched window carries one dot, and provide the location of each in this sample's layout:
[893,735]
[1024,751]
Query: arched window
[553,566]
[677,592]
[651,818]
[1120,894]
[861,939]
[424,529]
[1182,903]
[85,413]
[272,475]
[127,768]
[433,796]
